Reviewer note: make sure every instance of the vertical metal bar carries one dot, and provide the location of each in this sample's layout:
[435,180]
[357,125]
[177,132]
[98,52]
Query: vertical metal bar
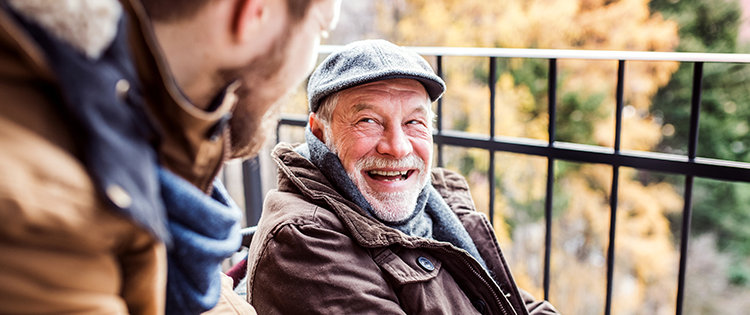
[253,190]
[492,187]
[686,219]
[695,107]
[491,170]
[492,80]
[611,249]
[687,213]
[552,100]
[618,112]
[615,182]
[551,127]
[440,162]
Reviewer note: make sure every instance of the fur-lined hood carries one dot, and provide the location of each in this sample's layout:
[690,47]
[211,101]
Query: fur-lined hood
[88,25]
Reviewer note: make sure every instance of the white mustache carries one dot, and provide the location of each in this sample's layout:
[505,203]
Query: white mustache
[411,161]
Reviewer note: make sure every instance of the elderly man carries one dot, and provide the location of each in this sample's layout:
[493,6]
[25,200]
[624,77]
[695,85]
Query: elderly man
[360,224]
[111,136]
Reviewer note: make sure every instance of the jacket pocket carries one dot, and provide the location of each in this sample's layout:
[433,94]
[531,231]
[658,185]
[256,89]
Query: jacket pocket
[414,266]
[421,284]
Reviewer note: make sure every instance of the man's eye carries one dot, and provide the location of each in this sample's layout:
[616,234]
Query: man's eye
[367,120]
[413,122]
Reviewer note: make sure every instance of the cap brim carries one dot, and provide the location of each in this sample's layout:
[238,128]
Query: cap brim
[434,89]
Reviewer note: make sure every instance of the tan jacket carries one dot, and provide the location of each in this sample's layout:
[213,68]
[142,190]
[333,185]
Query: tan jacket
[62,250]
[316,253]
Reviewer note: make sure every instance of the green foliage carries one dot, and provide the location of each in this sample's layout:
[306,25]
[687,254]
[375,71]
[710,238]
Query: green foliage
[532,74]
[721,208]
[725,111]
[705,25]
[739,275]
[576,117]
[718,207]
[466,164]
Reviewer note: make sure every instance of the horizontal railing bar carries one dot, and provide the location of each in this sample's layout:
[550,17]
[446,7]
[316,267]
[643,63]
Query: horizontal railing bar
[293,120]
[658,162]
[652,161]
[569,54]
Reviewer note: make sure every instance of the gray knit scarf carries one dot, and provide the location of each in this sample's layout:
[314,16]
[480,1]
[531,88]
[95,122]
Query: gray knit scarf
[432,217]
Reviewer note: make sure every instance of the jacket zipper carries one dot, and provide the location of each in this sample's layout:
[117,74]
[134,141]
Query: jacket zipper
[476,273]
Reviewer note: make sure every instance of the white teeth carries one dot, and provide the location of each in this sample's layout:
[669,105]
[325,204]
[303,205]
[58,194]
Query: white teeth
[386,173]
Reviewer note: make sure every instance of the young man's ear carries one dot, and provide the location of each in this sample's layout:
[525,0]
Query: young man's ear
[248,18]
[316,126]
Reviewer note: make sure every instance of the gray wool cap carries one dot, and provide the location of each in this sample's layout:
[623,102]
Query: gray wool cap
[369,61]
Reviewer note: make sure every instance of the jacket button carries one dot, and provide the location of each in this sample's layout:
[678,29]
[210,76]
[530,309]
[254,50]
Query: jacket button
[425,263]
[119,196]
[479,306]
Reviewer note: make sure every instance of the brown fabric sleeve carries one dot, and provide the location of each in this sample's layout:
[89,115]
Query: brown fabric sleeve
[308,270]
[537,307]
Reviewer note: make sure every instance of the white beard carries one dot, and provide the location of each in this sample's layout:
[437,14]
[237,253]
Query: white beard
[387,206]
[392,207]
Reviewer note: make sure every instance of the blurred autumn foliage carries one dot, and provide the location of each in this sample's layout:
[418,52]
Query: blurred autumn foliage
[656,96]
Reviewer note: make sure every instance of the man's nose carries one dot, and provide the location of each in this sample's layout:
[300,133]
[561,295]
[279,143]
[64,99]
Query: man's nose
[395,143]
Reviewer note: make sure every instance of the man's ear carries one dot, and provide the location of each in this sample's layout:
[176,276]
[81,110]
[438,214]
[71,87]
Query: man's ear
[316,126]
[248,18]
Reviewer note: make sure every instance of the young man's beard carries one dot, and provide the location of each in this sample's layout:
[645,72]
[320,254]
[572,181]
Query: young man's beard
[255,116]
[249,134]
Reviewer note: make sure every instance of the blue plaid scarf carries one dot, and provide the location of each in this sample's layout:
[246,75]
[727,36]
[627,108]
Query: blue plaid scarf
[205,230]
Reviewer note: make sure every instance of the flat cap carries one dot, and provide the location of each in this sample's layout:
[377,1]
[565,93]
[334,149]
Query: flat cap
[369,61]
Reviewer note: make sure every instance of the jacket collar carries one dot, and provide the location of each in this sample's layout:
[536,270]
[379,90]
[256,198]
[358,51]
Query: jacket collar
[89,26]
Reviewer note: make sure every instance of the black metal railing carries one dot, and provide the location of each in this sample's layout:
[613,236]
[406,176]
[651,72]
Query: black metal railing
[689,166]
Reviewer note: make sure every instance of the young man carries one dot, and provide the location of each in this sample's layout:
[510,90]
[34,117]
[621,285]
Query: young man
[112,136]
[360,223]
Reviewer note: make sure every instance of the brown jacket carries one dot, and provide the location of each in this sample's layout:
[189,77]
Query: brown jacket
[62,249]
[316,253]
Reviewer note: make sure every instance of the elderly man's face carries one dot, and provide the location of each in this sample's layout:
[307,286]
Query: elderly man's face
[381,133]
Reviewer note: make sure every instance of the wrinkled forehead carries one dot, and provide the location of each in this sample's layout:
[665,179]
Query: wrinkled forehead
[399,84]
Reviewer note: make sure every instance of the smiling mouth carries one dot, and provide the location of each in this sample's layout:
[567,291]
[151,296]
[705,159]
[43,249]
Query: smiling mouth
[390,176]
